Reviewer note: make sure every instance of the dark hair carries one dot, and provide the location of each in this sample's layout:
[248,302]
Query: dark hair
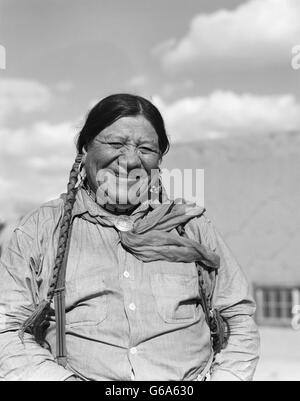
[101,116]
[114,107]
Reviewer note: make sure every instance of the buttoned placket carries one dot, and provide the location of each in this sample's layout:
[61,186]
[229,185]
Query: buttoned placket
[127,281]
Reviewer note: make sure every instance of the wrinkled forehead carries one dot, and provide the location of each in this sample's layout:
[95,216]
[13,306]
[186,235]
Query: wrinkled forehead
[133,129]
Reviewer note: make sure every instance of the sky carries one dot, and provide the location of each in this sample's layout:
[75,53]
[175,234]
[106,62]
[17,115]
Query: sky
[215,68]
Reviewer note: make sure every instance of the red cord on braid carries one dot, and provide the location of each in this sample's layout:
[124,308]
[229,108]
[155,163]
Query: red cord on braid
[38,321]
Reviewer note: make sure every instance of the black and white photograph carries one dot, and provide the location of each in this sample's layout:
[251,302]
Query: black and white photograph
[149,193]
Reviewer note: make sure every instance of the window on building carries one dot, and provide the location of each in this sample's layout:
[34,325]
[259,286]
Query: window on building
[275,304]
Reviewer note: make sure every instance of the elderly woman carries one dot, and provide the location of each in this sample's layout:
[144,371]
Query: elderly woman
[114,281]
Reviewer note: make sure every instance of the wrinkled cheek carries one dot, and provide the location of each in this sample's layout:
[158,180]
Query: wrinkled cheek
[94,166]
[151,163]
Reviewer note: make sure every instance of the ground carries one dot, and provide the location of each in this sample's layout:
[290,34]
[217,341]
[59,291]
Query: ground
[280,355]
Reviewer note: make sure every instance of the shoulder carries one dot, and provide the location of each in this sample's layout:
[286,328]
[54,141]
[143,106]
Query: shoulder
[33,229]
[42,218]
[202,229]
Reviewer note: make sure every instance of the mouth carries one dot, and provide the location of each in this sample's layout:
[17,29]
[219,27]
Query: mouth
[124,177]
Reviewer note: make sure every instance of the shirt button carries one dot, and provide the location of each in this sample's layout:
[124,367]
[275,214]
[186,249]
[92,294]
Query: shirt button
[132,306]
[133,350]
[126,274]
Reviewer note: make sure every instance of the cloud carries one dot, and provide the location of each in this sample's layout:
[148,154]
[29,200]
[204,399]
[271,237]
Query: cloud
[34,158]
[138,81]
[22,96]
[40,140]
[222,114]
[256,33]
[34,164]
[32,146]
[169,89]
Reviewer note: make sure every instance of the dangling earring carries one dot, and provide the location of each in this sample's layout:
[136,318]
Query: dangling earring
[155,188]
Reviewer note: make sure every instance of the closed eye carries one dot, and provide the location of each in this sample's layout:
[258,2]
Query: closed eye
[116,145]
[146,149]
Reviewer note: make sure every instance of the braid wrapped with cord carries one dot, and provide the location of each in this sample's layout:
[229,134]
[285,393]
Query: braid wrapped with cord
[37,323]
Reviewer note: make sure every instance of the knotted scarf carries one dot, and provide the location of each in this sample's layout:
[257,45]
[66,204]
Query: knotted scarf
[153,236]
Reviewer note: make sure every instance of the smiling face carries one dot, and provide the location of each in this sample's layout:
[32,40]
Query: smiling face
[127,146]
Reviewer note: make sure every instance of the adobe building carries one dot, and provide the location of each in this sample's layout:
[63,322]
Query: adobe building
[252,194]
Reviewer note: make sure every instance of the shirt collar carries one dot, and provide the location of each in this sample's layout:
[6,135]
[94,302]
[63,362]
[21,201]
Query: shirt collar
[85,204]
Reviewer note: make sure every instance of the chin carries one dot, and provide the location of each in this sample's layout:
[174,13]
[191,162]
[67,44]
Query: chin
[120,208]
[126,205]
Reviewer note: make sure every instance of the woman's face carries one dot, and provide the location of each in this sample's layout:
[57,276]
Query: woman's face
[121,154]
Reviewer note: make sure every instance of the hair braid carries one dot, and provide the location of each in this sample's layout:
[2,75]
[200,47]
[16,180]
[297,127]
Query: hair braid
[65,226]
[38,321]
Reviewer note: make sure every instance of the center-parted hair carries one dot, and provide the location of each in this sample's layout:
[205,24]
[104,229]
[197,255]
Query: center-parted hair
[114,107]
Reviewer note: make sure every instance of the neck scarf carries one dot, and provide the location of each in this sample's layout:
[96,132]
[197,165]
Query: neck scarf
[152,236]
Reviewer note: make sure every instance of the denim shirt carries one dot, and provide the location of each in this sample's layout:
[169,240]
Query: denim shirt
[125,319]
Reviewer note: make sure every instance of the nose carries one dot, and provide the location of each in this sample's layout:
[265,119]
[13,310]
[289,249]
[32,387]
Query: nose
[129,159]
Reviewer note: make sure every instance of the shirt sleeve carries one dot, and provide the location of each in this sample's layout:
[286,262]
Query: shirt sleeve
[25,361]
[232,297]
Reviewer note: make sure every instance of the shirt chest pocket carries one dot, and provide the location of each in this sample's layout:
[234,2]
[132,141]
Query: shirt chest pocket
[176,297]
[86,301]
